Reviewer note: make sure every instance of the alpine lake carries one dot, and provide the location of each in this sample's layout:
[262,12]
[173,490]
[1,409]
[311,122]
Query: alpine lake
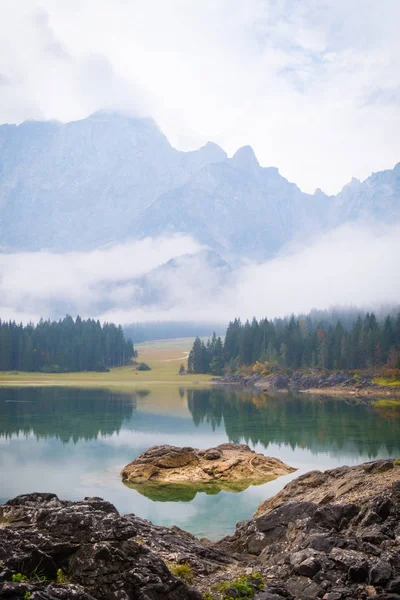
[74,442]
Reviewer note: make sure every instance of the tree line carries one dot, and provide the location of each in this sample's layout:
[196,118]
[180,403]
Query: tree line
[301,342]
[64,345]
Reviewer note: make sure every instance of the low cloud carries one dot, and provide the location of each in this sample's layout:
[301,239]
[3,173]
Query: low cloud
[35,284]
[351,265]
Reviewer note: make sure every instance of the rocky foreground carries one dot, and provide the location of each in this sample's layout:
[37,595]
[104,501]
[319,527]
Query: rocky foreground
[332,536]
[225,463]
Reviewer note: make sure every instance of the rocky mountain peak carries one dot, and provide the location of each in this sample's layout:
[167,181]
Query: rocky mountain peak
[213,152]
[245,159]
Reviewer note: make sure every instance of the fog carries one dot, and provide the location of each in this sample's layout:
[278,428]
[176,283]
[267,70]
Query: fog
[351,265]
[312,86]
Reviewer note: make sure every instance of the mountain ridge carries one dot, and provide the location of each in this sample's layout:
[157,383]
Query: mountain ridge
[112,177]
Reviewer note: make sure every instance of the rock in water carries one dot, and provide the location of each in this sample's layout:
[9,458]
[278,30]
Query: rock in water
[227,463]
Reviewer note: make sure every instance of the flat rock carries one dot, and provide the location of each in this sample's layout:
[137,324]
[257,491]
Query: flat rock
[226,463]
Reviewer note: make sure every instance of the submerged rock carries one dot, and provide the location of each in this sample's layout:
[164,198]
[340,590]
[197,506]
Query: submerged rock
[232,463]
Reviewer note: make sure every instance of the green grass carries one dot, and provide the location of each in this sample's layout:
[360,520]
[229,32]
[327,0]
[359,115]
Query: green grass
[387,403]
[164,358]
[183,572]
[386,382]
[242,587]
[62,577]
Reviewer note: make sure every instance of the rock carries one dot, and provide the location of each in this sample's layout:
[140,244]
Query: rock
[296,550]
[305,564]
[14,591]
[319,550]
[304,589]
[94,546]
[338,486]
[279,382]
[394,586]
[268,596]
[225,463]
[380,573]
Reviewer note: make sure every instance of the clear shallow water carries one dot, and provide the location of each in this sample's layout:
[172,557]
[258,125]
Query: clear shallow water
[75,441]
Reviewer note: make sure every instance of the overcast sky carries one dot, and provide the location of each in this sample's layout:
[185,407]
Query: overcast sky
[312,85]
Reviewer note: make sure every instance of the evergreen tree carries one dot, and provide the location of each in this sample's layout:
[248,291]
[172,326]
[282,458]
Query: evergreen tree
[296,342]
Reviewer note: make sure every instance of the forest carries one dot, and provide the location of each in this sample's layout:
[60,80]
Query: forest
[63,346]
[301,342]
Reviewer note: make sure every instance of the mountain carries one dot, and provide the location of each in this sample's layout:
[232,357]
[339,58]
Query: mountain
[236,207]
[111,177]
[83,184]
[198,275]
[377,198]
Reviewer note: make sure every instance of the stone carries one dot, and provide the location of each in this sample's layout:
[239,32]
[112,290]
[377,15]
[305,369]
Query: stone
[94,546]
[380,573]
[394,586]
[297,549]
[339,486]
[229,463]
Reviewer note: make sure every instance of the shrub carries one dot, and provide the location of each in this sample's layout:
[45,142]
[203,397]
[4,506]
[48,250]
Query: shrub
[18,578]
[143,367]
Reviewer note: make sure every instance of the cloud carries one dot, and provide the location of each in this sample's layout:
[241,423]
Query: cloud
[351,265]
[44,284]
[312,85]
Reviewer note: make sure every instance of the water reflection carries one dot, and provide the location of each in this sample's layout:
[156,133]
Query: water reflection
[74,442]
[311,422]
[302,421]
[68,414]
[186,492]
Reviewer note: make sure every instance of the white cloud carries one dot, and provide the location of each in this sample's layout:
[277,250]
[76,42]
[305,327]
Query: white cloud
[313,86]
[35,284]
[351,265]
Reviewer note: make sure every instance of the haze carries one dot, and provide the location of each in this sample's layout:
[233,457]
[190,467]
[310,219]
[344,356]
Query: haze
[313,86]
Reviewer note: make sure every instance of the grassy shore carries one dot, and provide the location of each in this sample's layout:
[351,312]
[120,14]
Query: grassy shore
[163,356]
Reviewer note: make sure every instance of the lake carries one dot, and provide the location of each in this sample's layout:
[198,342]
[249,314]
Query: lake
[74,441]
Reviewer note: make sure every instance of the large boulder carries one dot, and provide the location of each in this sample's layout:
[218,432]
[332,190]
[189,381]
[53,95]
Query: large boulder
[226,463]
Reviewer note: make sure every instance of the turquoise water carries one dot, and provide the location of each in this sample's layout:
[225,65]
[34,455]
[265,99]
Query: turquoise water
[74,442]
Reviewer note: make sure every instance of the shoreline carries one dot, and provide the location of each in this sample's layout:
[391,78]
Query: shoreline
[342,384]
[387,392]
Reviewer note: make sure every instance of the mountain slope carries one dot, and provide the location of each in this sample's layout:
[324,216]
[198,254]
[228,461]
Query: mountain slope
[82,184]
[237,207]
[377,198]
[110,178]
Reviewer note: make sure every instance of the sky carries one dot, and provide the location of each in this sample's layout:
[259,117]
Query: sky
[313,85]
